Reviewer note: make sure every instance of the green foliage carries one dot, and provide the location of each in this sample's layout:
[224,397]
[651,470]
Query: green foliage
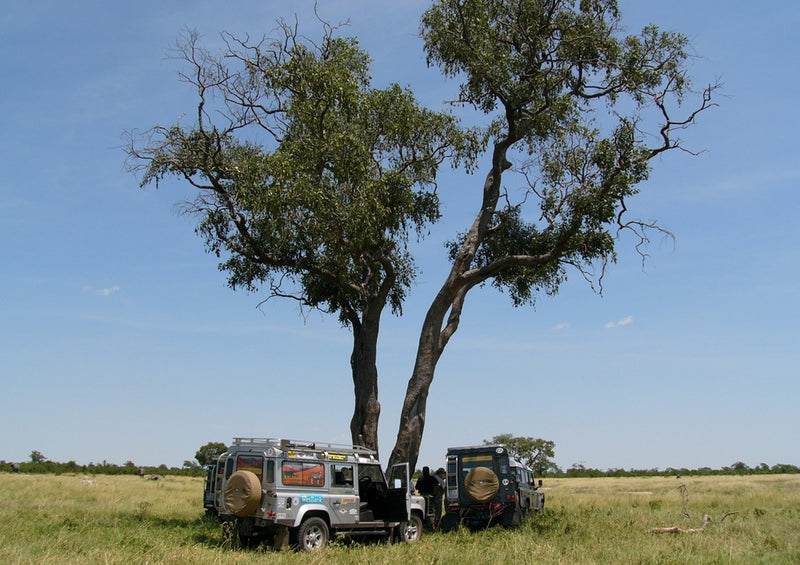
[578,111]
[104,468]
[533,452]
[572,99]
[209,453]
[320,209]
[310,182]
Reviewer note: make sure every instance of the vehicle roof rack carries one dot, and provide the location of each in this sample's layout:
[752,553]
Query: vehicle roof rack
[284,444]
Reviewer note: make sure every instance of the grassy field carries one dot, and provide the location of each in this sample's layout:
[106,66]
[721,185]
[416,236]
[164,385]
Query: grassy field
[120,519]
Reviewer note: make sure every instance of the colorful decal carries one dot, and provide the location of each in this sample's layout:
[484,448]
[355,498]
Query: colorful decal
[301,474]
[311,498]
[254,464]
[348,505]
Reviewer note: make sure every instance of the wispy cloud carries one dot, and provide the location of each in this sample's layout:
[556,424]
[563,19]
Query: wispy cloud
[561,326]
[102,291]
[623,322]
[107,291]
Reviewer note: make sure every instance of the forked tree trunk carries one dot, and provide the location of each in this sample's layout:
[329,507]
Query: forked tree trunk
[435,331]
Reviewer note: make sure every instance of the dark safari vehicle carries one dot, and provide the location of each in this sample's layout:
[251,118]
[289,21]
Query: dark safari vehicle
[485,485]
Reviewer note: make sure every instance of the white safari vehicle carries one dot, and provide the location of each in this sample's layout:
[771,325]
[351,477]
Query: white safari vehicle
[272,490]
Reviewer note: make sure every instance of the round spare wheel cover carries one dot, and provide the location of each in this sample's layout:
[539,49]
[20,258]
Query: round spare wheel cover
[243,493]
[481,484]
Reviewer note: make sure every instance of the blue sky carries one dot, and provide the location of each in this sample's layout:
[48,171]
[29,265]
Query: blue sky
[119,339]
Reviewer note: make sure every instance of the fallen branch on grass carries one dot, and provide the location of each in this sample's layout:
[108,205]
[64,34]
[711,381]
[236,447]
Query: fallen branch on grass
[676,530]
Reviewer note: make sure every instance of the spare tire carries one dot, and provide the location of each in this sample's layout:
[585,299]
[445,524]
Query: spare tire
[481,484]
[243,493]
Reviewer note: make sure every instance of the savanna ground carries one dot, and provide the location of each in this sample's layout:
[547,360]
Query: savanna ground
[124,519]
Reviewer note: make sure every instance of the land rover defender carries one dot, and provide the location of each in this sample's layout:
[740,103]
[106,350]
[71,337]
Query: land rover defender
[271,490]
[486,485]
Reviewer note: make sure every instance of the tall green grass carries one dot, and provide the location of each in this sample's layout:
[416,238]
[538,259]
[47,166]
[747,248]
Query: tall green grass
[122,519]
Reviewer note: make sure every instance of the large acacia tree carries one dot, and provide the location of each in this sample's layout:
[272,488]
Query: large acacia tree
[308,181]
[579,110]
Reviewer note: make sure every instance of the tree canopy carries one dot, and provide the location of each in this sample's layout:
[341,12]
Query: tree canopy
[309,181]
[209,453]
[532,452]
[578,110]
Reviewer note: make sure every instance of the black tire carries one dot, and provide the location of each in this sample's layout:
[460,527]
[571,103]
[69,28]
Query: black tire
[450,522]
[312,535]
[512,517]
[411,531]
[244,531]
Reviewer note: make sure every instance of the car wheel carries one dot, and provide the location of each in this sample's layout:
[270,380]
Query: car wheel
[411,531]
[450,522]
[312,534]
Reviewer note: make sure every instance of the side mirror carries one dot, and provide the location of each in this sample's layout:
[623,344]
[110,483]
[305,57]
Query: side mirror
[540,482]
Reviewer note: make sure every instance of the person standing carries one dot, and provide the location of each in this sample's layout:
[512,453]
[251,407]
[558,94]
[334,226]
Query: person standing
[438,495]
[426,484]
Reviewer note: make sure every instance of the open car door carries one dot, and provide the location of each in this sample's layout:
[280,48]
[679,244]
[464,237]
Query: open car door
[399,493]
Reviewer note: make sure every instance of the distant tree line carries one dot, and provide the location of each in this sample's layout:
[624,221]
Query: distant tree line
[538,454]
[40,464]
[738,468]
[534,452]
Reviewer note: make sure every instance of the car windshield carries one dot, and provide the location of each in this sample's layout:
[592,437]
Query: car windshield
[468,463]
[371,472]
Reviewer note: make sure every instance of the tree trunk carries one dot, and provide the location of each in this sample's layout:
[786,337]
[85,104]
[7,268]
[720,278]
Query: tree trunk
[435,333]
[363,362]
[412,416]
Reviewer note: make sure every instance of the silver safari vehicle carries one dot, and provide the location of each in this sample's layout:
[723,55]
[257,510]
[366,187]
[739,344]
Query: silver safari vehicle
[274,490]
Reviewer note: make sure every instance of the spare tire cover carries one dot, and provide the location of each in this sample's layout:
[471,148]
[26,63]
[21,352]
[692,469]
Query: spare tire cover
[481,484]
[243,493]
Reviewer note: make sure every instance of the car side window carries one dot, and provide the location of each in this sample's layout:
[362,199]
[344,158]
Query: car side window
[303,474]
[342,476]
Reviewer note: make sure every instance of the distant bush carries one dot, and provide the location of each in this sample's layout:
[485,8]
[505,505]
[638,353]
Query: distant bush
[103,468]
[737,468]
[577,470]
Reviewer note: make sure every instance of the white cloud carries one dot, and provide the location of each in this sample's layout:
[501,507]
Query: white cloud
[561,326]
[623,322]
[107,291]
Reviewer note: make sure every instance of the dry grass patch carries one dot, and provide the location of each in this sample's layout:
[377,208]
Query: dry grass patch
[122,519]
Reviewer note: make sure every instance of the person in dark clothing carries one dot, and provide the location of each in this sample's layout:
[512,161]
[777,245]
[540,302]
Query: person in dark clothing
[426,484]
